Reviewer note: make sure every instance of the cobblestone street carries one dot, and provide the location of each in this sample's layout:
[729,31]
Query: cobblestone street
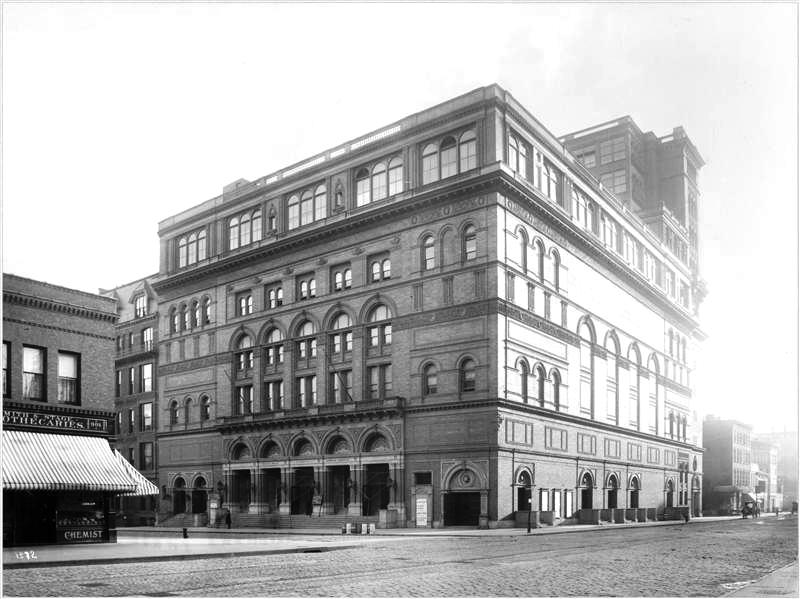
[699,559]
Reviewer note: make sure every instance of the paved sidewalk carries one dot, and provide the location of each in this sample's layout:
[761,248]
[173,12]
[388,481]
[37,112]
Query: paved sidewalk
[142,544]
[780,583]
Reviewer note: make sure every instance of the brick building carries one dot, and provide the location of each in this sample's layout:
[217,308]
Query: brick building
[729,477]
[136,390]
[786,475]
[447,321]
[60,475]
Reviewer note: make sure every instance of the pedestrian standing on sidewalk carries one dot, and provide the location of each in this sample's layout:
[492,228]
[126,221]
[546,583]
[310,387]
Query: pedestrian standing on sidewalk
[228,518]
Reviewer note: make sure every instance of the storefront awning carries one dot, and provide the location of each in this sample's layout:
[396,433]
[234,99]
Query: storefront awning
[143,486]
[47,462]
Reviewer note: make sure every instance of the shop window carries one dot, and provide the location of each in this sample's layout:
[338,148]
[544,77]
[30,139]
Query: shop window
[34,367]
[68,378]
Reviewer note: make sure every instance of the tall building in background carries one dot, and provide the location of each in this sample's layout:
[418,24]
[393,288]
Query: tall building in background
[787,464]
[446,321]
[729,479]
[765,454]
[136,390]
[61,478]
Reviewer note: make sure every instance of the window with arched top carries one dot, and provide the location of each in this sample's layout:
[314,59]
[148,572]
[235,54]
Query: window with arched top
[244,353]
[205,407]
[187,410]
[320,202]
[341,339]
[273,350]
[206,310]
[362,187]
[244,230]
[191,248]
[523,250]
[428,258]
[395,176]
[430,380]
[556,268]
[467,375]
[196,315]
[233,233]
[470,247]
[540,256]
[256,226]
[556,379]
[306,343]
[182,260]
[174,321]
[306,208]
[293,212]
[379,182]
[467,150]
[448,158]
[185,318]
[173,412]
[430,164]
[541,380]
[524,374]
[379,330]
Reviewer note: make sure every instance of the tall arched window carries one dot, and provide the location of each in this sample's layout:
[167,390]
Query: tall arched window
[244,353]
[294,212]
[380,329]
[185,317]
[187,410]
[306,208]
[430,164]
[586,335]
[470,251]
[556,378]
[653,393]
[513,152]
[448,158]
[174,320]
[540,257]
[467,375]
[467,151]
[244,230]
[541,379]
[362,187]
[196,318]
[192,248]
[205,408]
[206,310]
[524,373]
[173,413]
[430,382]
[379,187]
[428,253]
[523,250]
[395,176]
[256,224]
[320,202]
[556,268]
[341,338]
[273,351]
[306,342]
[634,379]
[182,252]
[233,233]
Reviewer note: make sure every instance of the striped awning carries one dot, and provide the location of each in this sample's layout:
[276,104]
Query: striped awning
[47,462]
[143,485]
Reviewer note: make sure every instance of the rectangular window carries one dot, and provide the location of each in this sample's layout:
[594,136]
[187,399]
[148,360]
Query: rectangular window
[380,381]
[145,378]
[587,157]
[555,438]
[34,366]
[612,150]
[274,296]
[244,303]
[510,286]
[587,444]
[612,448]
[273,395]
[307,391]
[146,417]
[653,455]
[422,478]
[145,456]
[615,182]
[147,339]
[68,378]
[140,305]
[131,380]
[244,400]
[131,420]
[6,368]
[342,386]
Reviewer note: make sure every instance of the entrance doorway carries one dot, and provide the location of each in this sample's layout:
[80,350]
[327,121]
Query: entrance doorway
[634,503]
[241,489]
[462,509]
[303,491]
[670,493]
[376,489]
[179,496]
[272,481]
[587,491]
[339,491]
[199,496]
[612,492]
[524,492]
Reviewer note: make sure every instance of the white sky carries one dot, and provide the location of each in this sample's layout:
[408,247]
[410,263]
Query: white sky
[117,115]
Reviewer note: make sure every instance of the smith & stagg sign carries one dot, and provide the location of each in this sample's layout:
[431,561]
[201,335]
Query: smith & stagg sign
[42,421]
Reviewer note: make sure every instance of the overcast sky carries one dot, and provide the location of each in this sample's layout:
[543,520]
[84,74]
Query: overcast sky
[118,115]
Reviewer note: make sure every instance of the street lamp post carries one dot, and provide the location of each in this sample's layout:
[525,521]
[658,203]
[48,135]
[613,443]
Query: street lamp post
[530,506]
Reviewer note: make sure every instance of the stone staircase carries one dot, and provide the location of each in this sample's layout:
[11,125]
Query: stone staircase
[184,521]
[323,522]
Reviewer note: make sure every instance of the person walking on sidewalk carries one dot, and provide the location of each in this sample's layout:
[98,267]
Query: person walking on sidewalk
[228,518]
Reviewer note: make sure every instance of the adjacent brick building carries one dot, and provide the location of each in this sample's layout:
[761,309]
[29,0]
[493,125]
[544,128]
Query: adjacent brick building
[446,321]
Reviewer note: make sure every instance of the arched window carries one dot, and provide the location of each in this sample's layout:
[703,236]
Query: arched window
[274,347]
[196,319]
[380,331]
[192,248]
[294,212]
[206,310]
[174,320]
[524,373]
[185,317]
[341,342]
[670,343]
[448,158]
[379,182]
[671,425]
[513,152]
[430,164]
[556,378]
[256,224]
[320,202]
[307,342]
[306,208]
[201,245]
[467,151]
[467,375]
[386,268]
[233,233]
[395,176]
[541,378]
[470,243]
[556,268]
[428,253]
[244,230]
[523,250]
[182,252]
[522,164]
[430,383]
[376,271]
[173,413]
[540,256]
[187,410]
[684,428]
[205,408]
[586,388]
[244,353]
[362,187]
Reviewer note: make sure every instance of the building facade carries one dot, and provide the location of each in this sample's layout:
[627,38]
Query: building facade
[136,391]
[448,321]
[765,455]
[60,475]
[730,476]
[786,477]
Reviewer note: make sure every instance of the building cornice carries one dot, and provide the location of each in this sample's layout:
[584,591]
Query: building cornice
[40,303]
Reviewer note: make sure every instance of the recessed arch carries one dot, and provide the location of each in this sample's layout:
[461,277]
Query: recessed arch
[333,313]
[611,342]
[373,301]
[271,448]
[634,355]
[267,327]
[586,330]
[368,436]
[300,319]
[240,332]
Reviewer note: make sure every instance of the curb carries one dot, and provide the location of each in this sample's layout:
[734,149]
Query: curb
[766,585]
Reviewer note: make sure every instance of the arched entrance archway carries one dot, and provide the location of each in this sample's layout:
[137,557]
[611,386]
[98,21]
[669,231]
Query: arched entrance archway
[199,496]
[524,502]
[465,498]
[179,496]
[611,491]
[634,501]
[587,491]
[670,493]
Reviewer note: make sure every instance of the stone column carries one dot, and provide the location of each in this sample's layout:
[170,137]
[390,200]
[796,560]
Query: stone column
[285,507]
[357,479]
[257,503]
[229,499]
